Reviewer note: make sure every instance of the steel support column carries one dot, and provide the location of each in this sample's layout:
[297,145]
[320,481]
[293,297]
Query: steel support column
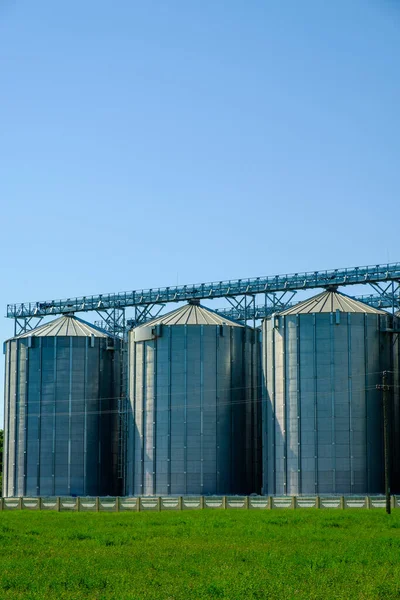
[25,324]
[389,294]
[113,320]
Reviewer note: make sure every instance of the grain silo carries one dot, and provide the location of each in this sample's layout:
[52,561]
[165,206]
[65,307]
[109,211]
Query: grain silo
[193,395]
[61,388]
[322,413]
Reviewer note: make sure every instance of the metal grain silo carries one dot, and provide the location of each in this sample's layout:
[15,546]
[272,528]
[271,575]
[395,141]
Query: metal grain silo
[395,338]
[61,388]
[322,413]
[193,396]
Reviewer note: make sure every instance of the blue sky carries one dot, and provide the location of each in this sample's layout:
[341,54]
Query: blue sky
[150,143]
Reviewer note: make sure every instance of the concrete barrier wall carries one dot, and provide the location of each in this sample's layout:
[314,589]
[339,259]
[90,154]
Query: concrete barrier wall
[48,503]
[191,503]
[162,503]
[88,504]
[128,504]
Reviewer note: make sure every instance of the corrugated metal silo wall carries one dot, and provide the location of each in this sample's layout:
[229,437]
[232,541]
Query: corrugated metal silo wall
[60,416]
[396,408]
[322,413]
[192,402]
[253,417]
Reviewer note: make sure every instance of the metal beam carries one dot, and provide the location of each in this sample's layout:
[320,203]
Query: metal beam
[113,320]
[221,289]
[25,324]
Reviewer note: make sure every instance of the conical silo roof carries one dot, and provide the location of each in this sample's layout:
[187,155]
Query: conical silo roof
[192,314]
[331,301]
[67,325]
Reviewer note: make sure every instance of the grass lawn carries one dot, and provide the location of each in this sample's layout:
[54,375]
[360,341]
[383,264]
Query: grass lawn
[231,554]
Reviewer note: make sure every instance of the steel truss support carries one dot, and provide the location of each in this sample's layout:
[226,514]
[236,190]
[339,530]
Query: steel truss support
[25,324]
[113,320]
[278,302]
[146,313]
[245,307]
[389,293]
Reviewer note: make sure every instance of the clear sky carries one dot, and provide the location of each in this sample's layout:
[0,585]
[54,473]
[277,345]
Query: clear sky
[150,143]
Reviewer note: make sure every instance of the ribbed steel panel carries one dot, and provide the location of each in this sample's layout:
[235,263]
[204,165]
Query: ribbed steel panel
[395,339]
[192,314]
[322,413]
[193,397]
[67,326]
[330,302]
[60,415]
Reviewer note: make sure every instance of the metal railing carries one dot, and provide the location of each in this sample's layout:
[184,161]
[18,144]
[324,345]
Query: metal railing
[229,288]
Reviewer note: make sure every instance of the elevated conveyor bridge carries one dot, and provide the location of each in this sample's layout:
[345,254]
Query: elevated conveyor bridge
[277,292]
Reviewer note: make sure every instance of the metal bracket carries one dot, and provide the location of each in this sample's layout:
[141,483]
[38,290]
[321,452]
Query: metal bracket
[244,307]
[25,324]
[113,321]
[145,313]
[389,293]
[278,302]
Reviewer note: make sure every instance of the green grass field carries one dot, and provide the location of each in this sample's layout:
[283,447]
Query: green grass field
[201,554]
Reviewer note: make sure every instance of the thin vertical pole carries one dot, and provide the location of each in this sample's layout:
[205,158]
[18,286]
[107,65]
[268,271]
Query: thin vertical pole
[274,424]
[39,402]
[202,409]
[155,418]
[185,409]
[27,350]
[298,377]
[393,300]
[53,451]
[133,408]
[70,417]
[384,387]
[6,452]
[333,399]
[315,390]
[169,409]
[217,342]
[142,489]
[284,409]
[85,425]
[16,416]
